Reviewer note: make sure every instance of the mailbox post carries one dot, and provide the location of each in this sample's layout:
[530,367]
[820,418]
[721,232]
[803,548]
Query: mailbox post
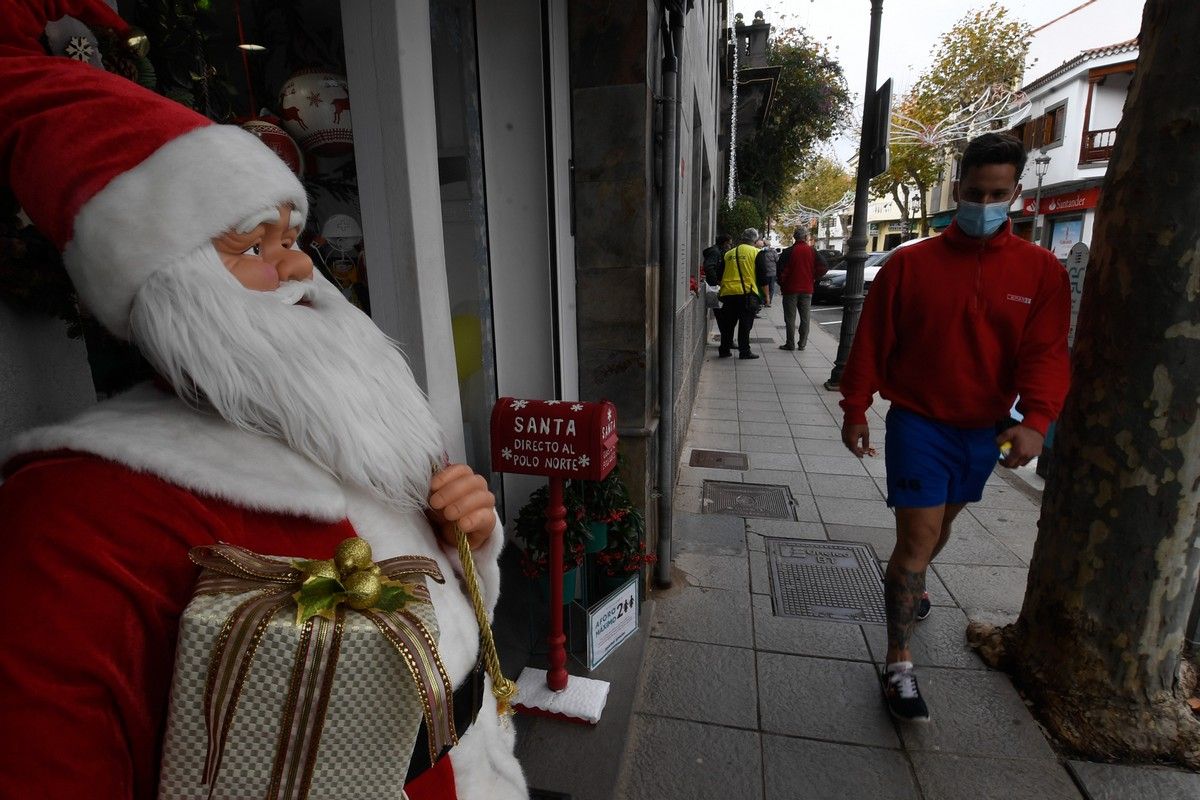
[557,439]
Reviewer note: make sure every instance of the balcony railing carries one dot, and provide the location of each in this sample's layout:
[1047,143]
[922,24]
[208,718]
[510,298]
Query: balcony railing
[1097,145]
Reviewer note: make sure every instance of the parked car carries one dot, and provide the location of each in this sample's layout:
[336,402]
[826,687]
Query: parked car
[830,289]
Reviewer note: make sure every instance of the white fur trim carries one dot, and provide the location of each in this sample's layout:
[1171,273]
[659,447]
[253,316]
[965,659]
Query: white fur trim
[191,189]
[153,432]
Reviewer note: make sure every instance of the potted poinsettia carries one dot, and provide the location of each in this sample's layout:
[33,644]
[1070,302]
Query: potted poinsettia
[604,503]
[535,542]
[626,552]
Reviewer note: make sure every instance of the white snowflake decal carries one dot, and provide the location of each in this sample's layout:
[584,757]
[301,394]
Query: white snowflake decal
[507,453]
[519,404]
[577,407]
[80,49]
[584,461]
[609,414]
[552,402]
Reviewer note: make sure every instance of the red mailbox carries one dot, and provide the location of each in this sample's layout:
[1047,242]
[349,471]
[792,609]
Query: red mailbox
[554,438]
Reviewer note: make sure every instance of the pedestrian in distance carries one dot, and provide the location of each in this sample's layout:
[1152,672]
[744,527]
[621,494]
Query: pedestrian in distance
[800,267]
[740,297]
[714,259]
[764,271]
[953,330]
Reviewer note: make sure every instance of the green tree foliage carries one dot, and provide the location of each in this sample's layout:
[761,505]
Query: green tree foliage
[744,213]
[822,183]
[811,104]
[984,48]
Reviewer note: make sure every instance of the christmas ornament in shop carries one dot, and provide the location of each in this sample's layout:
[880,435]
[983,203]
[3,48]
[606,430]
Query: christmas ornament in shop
[280,143]
[339,247]
[315,107]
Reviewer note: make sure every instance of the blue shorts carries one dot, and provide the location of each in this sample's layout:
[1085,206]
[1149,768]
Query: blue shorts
[930,463]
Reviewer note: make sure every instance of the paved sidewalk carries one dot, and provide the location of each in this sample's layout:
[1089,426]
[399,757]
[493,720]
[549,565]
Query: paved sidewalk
[734,702]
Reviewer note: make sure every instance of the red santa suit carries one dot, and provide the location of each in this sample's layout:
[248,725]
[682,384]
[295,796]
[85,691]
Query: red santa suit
[97,514]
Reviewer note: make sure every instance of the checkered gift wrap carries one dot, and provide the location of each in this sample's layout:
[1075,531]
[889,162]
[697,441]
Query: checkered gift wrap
[372,721]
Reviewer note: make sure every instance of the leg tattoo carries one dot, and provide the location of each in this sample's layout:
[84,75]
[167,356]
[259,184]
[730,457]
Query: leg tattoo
[902,592]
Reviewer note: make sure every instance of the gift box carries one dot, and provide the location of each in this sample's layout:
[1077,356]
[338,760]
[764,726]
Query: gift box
[304,679]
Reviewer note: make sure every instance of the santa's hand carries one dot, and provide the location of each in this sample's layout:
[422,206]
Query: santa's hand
[460,498]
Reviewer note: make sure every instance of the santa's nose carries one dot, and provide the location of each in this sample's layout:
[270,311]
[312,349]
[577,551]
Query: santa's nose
[289,264]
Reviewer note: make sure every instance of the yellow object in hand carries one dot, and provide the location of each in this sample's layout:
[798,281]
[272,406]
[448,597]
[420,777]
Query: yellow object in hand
[1005,449]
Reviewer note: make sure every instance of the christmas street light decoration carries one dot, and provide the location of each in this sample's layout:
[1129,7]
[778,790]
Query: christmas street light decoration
[998,107]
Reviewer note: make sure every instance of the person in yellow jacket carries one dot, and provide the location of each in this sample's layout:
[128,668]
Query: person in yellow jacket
[740,297]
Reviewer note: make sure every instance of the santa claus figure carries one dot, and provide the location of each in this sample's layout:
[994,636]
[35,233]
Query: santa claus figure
[180,236]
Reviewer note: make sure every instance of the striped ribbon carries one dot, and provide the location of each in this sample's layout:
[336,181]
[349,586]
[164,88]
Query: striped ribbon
[271,583]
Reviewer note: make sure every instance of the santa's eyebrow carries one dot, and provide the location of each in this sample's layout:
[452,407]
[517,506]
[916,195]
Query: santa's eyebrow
[267,215]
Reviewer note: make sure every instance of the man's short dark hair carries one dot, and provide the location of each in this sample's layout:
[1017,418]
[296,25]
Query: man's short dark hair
[993,148]
[724,238]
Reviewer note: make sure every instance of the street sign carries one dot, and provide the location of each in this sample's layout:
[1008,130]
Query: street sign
[1077,261]
[611,621]
[879,130]
[554,438]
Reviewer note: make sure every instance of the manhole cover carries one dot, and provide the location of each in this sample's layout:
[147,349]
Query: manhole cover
[748,500]
[832,581]
[719,459]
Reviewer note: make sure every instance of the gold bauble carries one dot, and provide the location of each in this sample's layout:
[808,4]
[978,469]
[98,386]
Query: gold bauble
[362,589]
[138,41]
[352,554]
[324,569]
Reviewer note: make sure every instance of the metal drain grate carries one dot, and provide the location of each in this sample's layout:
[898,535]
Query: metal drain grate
[832,581]
[748,500]
[719,459]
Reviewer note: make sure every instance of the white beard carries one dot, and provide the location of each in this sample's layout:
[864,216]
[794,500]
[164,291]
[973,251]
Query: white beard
[320,377]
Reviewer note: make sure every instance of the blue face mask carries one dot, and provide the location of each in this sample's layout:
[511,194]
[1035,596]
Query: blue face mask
[981,219]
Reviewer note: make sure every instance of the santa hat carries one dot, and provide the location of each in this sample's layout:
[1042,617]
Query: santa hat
[122,180]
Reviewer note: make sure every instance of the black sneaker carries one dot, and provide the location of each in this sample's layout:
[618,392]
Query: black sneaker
[925,607]
[902,695]
[788,347]
[747,356]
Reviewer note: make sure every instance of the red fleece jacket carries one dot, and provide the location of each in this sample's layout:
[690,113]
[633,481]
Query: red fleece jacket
[956,327]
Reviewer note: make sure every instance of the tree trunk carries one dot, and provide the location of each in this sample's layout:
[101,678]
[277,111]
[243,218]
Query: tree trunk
[899,204]
[921,187]
[1097,647]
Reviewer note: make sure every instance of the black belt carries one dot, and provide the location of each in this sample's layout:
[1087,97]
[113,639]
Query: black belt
[467,699]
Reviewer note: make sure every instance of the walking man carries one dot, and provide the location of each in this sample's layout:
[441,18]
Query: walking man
[953,330]
[764,270]
[739,296]
[800,267]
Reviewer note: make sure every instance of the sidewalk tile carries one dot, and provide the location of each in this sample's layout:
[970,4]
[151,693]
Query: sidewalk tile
[801,768]
[713,572]
[712,616]
[822,699]
[977,548]
[696,476]
[820,447]
[1005,497]
[809,418]
[713,534]
[1008,522]
[713,426]
[767,444]
[686,499]
[940,641]
[716,402]
[949,777]
[881,540]
[854,487]
[809,406]
[781,461]
[786,529]
[759,405]
[805,637]
[832,465]
[670,758]
[772,418]
[699,682]
[715,413]
[794,479]
[700,440]
[975,713]
[990,588]
[865,513]
[1117,782]
[822,432]
[939,595]
[760,581]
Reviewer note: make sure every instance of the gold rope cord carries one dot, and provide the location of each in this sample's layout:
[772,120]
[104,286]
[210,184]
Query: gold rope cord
[503,689]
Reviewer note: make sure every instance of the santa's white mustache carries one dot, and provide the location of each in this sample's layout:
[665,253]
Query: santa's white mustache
[292,292]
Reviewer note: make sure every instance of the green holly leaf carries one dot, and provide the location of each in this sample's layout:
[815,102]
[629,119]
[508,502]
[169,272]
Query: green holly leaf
[394,596]
[317,598]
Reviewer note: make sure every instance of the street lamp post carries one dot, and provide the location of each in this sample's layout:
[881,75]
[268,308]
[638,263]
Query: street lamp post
[853,298]
[1040,166]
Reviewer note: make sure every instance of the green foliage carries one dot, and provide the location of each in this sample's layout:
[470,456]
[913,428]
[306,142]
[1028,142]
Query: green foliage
[602,501]
[811,104]
[744,213]
[535,542]
[626,551]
